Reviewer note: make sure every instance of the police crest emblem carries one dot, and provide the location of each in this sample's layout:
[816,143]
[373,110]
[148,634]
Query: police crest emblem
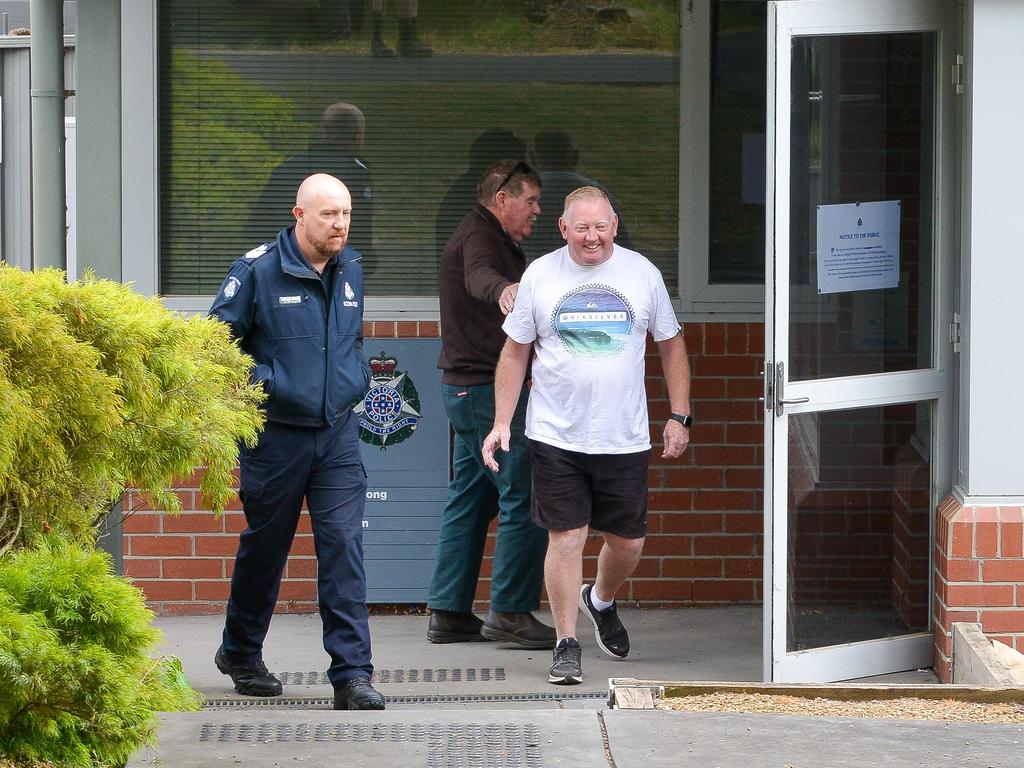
[390,411]
[231,287]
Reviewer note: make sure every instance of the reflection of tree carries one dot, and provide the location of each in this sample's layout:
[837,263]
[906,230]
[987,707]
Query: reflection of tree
[224,137]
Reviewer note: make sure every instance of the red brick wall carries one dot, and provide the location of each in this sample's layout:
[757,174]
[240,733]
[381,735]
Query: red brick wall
[706,525]
[851,527]
[979,575]
[705,541]
[911,537]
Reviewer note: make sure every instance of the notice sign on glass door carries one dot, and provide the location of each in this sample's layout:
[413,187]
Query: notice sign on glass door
[858,246]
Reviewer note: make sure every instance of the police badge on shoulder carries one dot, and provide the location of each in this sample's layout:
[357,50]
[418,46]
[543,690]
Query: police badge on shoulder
[231,286]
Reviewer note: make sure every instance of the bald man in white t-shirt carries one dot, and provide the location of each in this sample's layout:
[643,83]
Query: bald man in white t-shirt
[583,313]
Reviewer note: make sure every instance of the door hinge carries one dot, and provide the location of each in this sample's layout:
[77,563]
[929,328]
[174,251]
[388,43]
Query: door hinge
[954,332]
[958,74]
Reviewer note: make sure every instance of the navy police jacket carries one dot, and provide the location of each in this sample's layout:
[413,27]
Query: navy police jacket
[308,346]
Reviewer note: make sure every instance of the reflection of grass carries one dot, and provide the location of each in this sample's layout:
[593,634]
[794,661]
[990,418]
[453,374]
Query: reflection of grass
[219,143]
[417,140]
[418,136]
[217,151]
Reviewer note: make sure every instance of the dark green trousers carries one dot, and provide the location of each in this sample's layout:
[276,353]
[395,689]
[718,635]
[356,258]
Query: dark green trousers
[475,497]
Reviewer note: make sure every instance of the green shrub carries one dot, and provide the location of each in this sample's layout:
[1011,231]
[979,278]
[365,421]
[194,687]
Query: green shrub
[101,388]
[77,687]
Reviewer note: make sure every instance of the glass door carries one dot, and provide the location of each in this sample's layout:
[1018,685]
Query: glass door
[860,233]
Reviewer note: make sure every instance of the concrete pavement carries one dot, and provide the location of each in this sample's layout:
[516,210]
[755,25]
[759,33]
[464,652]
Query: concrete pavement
[483,704]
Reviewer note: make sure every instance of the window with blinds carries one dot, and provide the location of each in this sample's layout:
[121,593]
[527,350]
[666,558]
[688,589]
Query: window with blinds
[257,94]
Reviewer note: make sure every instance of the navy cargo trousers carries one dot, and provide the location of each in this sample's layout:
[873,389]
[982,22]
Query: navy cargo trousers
[324,467]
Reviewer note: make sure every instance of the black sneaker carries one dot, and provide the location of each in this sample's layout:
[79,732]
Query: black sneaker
[251,678]
[610,634]
[566,663]
[358,694]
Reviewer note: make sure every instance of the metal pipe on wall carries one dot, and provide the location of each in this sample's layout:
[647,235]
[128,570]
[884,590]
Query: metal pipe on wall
[49,199]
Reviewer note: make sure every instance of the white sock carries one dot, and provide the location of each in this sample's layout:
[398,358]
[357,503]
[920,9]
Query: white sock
[597,602]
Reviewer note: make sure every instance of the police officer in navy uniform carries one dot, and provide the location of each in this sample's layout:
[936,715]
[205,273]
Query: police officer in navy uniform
[296,306]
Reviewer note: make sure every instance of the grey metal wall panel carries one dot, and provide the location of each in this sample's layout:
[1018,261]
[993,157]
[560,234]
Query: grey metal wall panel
[99,128]
[386,490]
[405,441]
[412,578]
[401,523]
[412,478]
[403,539]
[16,188]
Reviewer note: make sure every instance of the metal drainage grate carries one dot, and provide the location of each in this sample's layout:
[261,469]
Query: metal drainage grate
[448,745]
[312,702]
[456,675]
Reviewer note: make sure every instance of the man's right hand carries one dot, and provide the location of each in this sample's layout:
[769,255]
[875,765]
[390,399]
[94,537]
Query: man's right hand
[498,438]
[507,300]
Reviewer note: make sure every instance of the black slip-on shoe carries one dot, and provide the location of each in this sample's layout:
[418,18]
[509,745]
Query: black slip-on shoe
[358,694]
[522,629]
[608,630]
[454,627]
[251,678]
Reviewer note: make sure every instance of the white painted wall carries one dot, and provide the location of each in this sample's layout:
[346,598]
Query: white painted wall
[993,260]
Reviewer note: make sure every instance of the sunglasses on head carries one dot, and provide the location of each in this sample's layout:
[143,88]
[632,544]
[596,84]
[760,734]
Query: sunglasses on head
[519,167]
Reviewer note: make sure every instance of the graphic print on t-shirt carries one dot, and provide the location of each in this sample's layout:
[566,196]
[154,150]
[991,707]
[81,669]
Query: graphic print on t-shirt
[593,321]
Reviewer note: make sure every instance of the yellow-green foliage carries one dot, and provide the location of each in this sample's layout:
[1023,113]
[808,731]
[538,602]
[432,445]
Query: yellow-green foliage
[101,388]
[77,687]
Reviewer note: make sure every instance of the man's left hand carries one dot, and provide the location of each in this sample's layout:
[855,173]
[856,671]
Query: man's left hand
[676,438]
[507,300]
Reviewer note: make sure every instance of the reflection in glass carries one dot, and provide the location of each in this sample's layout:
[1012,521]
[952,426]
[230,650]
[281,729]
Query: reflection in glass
[736,205]
[859,516]
[557,158]
[244,87]
[862,127]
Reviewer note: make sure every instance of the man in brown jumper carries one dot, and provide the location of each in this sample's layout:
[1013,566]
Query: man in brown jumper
[477,280]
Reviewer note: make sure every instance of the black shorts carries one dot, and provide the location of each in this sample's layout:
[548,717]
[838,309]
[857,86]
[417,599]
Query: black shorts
[606,491]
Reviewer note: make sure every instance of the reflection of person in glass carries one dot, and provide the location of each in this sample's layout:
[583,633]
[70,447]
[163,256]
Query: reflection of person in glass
[489,147]
[335,151]
[477,283]
[408,42]
[556,157]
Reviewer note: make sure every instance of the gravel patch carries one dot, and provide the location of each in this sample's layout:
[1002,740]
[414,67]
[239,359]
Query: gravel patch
[949,710]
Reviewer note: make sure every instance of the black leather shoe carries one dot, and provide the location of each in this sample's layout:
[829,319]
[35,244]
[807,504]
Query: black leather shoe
[454,627]
[251,678]
[520,629]
[358,694]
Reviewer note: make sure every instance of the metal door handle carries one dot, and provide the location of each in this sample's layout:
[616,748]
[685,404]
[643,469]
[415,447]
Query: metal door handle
[780,401]
[794,401]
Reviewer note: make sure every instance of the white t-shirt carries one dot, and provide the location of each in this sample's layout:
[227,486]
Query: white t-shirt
[589,326]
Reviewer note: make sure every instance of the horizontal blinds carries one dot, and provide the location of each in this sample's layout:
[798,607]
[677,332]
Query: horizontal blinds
[244,90]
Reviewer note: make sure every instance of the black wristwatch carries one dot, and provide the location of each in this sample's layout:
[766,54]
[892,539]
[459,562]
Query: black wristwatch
[686,421]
